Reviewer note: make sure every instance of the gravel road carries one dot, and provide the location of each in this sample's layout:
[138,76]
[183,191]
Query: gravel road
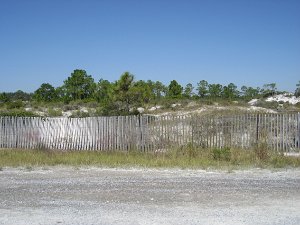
[64,195]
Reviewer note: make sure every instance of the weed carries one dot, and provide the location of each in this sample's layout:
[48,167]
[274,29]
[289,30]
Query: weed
[262,149]
[189,151]
[186,157]
[221,154]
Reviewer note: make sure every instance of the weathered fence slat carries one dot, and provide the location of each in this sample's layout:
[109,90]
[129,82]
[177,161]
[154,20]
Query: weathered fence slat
[148,133]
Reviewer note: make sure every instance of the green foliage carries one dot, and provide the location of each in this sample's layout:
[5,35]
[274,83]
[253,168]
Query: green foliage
[122,96]
[221,154]
[159,90]
[14,96]
[269,105]
[54,112]
[20,95]
[15,104]
[249,93]
[4,97]
[71,106]
[189,151]
[202,88]
[104,91]
[45,93]
[230,91]
[201,159]
[215,90]
[122,91]
[79,114]
[188,91]
[174,90]
[18,113]
[79,86]
[61,94]
[140,92]
[269,89]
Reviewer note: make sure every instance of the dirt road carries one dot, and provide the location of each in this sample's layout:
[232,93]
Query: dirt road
[62,195]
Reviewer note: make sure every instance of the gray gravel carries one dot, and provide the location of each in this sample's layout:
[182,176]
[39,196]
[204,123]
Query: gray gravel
[62,195]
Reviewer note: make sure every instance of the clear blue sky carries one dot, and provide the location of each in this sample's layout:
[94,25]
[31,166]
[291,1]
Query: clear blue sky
[249,42]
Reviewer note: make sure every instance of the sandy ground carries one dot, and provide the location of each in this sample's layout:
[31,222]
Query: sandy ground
[62,195]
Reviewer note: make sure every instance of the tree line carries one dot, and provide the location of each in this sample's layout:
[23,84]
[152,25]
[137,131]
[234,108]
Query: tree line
[120,96]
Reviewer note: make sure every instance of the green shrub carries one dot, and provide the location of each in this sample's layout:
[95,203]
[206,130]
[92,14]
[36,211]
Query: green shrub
[79,114]
[15,105]
[269,105]
[92,104]
[18,113]
[221,154]
[70,107]
[54,112]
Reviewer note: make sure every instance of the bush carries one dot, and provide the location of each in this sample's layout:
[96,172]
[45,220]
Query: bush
[221,154]
[92,104]
[79,114]
[269,105]
[18,113]
[15,104]
[54,112]
[70,107]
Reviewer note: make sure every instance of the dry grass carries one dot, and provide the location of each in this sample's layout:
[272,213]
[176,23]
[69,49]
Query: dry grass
[184,157]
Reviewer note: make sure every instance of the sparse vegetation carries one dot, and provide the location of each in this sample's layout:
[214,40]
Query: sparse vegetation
[18,113]
[54,112]
[221,154]
[125,95]
[187,157]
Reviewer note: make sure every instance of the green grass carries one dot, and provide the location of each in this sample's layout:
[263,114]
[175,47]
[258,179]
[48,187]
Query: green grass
[188,157]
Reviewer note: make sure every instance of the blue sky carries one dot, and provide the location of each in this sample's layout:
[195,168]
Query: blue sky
[249,42]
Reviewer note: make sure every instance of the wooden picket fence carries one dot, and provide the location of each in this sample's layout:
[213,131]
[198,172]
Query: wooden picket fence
[280,132]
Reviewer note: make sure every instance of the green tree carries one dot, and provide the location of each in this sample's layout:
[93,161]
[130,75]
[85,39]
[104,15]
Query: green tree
[215,90]
[141,92]
[122,91]
[79,85]
[4,97]
[46,92]
[104,91]
[174,89]
[297,91]
[249,93]
[269,89]
[61,94]
[159,90]
[202,88]
[20,95]
[188,91]
[230,91]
